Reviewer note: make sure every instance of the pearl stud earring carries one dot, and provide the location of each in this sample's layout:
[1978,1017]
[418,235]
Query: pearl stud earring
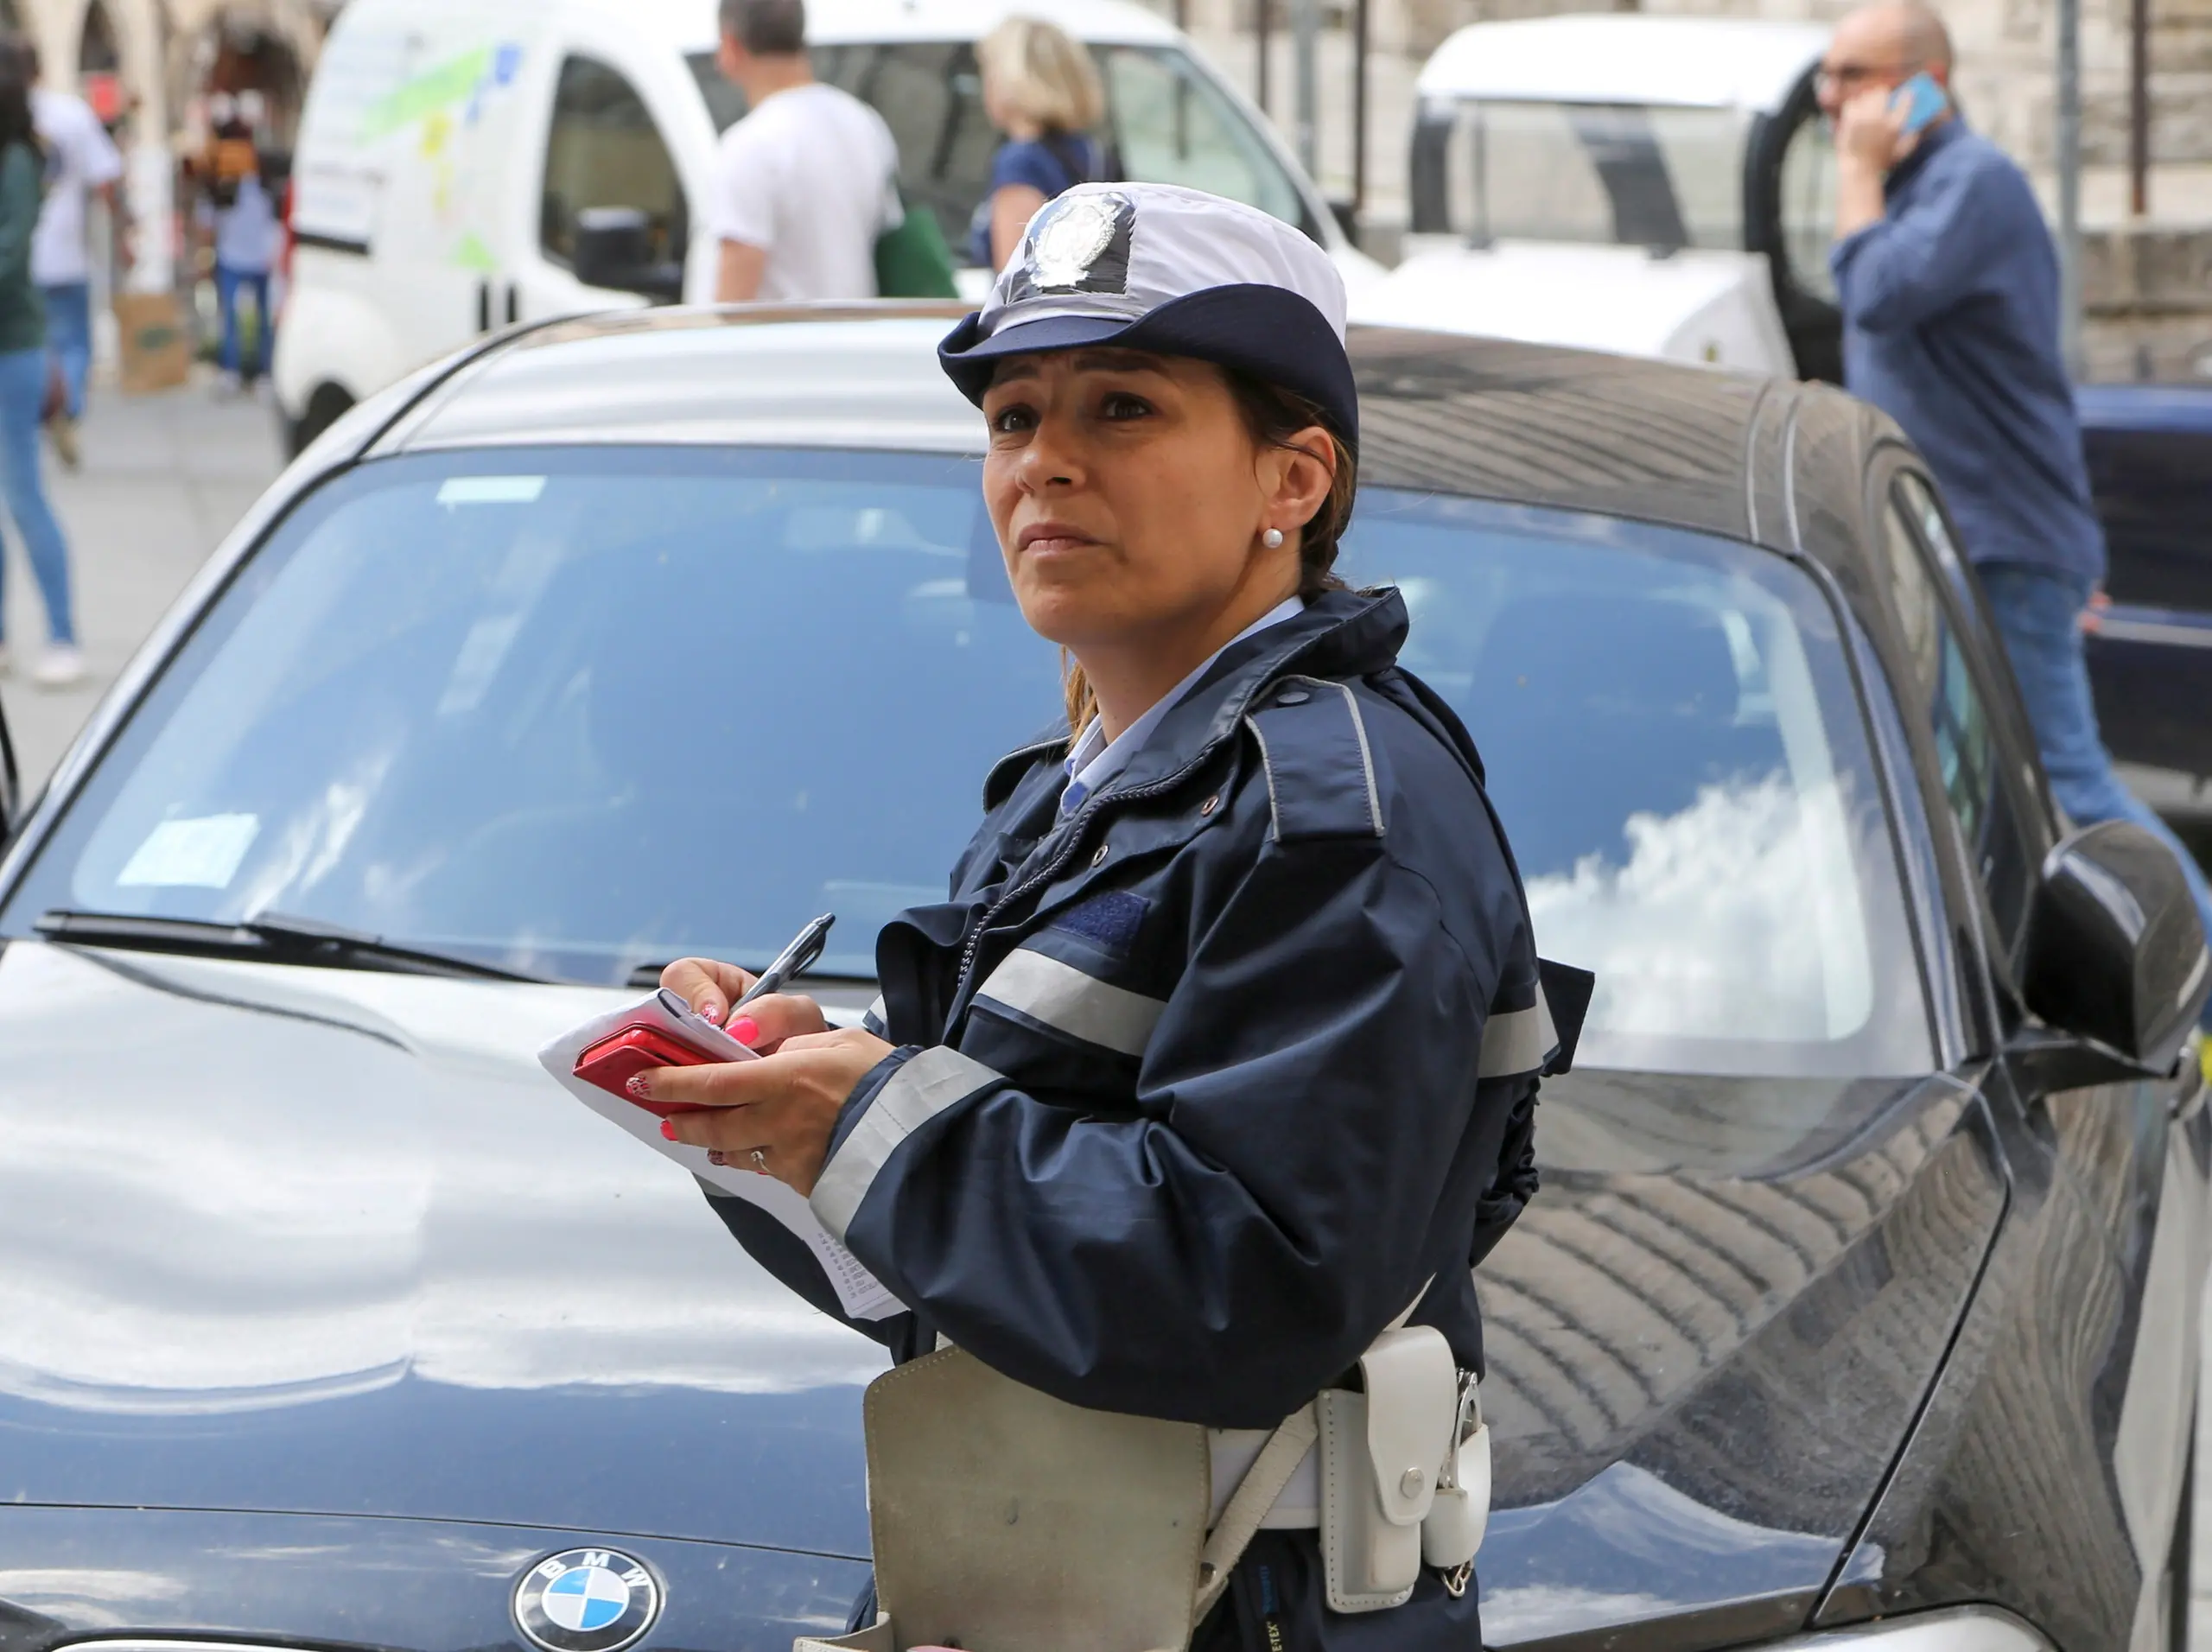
[1272,539]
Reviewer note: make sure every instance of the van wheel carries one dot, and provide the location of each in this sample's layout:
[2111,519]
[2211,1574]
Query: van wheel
[326,407]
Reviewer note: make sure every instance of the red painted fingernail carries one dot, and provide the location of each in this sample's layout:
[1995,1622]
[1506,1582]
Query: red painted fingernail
[668,1128]
[709,1010]
[745,1029]
[637,1086]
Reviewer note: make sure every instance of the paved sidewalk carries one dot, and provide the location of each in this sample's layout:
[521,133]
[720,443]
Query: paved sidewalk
[165,478]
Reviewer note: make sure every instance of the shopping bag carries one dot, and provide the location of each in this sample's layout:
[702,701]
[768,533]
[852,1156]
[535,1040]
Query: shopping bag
[913,261]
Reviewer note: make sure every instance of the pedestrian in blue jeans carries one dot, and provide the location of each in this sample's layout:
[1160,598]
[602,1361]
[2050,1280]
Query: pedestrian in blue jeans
[23,377]
[81,162]
[1949,284]
[246,245]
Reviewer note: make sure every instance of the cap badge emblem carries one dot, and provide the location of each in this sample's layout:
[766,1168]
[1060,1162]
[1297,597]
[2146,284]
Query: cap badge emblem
[1079,243]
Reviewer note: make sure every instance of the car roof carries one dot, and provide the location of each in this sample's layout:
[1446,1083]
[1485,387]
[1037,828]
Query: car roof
[1626,58]
[1768,461]
[689,25]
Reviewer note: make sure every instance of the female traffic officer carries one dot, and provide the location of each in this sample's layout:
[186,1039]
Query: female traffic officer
[1220,1056]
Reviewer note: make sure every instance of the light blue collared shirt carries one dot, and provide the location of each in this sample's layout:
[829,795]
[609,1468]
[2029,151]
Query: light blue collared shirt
[1096,759]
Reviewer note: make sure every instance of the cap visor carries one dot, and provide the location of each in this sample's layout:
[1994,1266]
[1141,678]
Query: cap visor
[970,367]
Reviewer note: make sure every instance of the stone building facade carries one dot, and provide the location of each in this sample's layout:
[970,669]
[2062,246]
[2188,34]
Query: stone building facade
[162,49]
[149,65]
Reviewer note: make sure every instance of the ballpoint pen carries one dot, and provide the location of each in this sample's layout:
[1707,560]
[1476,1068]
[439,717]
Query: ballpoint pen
[794,960]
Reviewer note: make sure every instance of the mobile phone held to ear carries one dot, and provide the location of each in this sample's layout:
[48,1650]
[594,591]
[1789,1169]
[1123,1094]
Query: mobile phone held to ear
[1922,99]
[660,1032]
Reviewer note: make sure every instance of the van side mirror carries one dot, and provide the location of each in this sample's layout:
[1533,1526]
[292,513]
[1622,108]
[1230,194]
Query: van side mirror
[2115,952]
[614,250]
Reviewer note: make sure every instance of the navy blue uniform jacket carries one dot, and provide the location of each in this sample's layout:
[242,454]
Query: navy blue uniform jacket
[1193,1095]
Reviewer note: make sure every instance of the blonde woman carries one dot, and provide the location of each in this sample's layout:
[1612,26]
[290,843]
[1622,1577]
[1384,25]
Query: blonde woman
[1041,89]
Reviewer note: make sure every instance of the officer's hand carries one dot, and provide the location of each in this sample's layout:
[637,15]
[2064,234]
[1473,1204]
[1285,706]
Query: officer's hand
[1869,132]
[782,1107]
[710,987]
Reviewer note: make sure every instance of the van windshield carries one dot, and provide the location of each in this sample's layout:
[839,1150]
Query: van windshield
[1631,174]
[1166,121]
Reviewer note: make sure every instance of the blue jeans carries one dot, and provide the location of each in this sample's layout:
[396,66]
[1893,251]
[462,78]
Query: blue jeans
[23,398]
[69,335]
[2039,612]
[229,283]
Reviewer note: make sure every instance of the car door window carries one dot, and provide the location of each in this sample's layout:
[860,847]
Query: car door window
[1167,124]
[1808,206]
[1956,703]
[930,94]
[604,150]
[1919,501]
[1173,125]
[1631,174]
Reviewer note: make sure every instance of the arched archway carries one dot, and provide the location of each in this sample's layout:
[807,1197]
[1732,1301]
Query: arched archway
[98,50]
[238,49]
[99,64]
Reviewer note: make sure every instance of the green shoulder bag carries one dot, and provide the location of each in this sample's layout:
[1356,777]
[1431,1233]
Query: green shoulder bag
[913,261]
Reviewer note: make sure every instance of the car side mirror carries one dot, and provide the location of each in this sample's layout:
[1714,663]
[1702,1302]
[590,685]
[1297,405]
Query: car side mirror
[614,251]
[2115,952]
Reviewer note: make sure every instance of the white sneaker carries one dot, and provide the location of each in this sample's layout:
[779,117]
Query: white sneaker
[60,667]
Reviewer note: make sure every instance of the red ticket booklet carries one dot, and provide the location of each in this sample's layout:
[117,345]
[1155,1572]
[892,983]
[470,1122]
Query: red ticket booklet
[660,1032]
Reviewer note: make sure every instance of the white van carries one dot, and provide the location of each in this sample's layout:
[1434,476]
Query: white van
[1651,186]
[449,146]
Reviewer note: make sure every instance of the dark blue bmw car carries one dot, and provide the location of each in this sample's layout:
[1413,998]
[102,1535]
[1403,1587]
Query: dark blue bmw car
[1861,1301]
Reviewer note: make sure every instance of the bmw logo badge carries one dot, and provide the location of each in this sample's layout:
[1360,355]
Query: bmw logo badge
[586,1600]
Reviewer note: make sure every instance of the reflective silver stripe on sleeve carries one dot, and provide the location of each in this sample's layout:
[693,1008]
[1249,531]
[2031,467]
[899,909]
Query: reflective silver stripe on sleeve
[936,1078]
[1517,1040]
[1064,998]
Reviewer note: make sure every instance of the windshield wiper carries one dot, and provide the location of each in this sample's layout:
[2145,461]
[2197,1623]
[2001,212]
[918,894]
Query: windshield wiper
[271,935]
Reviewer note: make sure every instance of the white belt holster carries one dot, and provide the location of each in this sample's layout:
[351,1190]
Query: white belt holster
[1006,1521]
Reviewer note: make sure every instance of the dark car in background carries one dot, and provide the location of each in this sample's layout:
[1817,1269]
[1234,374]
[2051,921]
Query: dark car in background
[1859,1303]
[2149,450]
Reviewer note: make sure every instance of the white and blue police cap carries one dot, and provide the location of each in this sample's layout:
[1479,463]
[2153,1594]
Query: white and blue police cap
[1174,271]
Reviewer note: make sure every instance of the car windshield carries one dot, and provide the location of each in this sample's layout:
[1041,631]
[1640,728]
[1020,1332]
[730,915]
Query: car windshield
[576,712]
[1166,121]
[1631,174]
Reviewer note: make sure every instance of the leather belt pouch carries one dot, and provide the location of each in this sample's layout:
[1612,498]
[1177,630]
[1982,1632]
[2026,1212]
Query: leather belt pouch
[1381,1451]
[1007,1521]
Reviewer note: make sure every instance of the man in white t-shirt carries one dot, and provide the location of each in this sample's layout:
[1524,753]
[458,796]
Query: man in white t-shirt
[83,162]
[807,181]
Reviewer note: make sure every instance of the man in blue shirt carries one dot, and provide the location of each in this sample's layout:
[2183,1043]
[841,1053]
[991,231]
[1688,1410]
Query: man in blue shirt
[1949,282]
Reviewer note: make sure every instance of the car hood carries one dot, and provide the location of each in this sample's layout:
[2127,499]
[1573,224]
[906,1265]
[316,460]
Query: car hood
[295,1240]
[1619,299]
[332,1241]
